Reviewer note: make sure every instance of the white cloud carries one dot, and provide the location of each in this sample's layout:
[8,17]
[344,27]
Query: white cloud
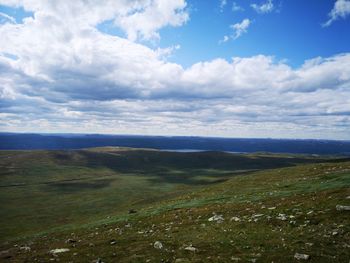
[236,7]
[267,7]
[78,79]
[139,19]
[240,28]
[145,22]
[223,3]
[224,40]
[341,9]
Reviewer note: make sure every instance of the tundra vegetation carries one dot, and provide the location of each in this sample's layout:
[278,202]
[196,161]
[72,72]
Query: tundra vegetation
[115,204]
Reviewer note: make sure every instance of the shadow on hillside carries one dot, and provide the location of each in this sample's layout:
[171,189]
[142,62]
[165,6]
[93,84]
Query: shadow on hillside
[196,168]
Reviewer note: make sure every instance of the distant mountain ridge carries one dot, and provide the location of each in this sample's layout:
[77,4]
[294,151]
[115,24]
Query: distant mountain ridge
[16,141]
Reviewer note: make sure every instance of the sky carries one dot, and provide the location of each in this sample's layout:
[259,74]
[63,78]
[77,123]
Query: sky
[223,68]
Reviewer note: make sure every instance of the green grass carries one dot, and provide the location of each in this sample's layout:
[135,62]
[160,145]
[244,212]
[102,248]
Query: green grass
[85,195]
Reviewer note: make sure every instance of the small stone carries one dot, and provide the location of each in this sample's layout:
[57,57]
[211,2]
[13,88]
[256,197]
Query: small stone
[190,248]
[179,260]
[59,250]
[282,217]
[217,218]
[299,256]
[158,245]
[25,248]
[343,207]
[71,240]
[235,218]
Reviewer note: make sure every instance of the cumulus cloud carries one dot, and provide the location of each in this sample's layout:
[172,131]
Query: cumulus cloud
[341,9]
[264,8]
[78,79]
[240,28]
[148,19]
[139,19]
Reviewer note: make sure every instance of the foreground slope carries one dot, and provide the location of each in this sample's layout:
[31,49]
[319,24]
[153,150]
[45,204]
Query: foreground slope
[263,216]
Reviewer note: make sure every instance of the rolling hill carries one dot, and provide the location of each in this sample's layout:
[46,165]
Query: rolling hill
[116,204]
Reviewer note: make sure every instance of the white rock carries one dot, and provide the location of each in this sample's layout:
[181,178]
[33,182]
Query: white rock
[25,248]
[257,215]
[191,248]
[59,250]
[158,245]
[217,218]
[301,256]
[343,207]
[282,217]
[235,218]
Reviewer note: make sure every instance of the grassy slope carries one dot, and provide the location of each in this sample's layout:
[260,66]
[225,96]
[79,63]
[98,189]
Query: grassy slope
[306,194]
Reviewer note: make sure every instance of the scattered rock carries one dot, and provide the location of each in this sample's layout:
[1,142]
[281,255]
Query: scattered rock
[69,240]
[282,217]
[98,261]
[343,207]
[190,248]
[59,250]
[158,245]
[217,218]
[257,215]
[235,218]
[113,242]
[25,248]
[299,256]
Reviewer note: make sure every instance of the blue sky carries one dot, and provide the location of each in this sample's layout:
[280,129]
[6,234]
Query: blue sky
[243,68]
[292,31]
